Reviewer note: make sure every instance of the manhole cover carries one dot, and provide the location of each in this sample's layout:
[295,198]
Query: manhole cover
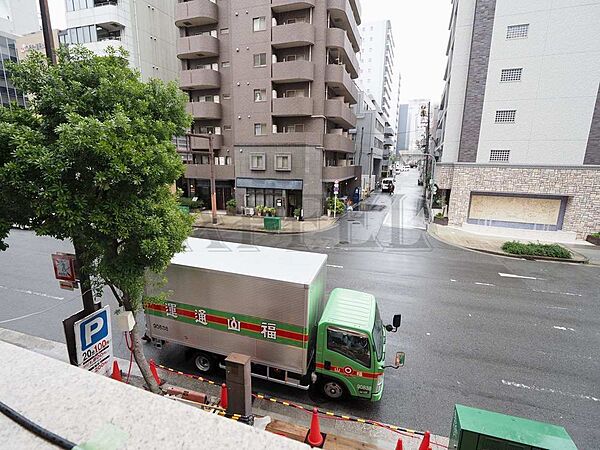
[344,242]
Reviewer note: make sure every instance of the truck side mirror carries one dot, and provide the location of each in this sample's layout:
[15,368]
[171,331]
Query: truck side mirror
[395,324]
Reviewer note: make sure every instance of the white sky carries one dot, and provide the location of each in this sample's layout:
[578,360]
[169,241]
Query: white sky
[420,30]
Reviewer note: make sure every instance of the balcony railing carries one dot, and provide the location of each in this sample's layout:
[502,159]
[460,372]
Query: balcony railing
[337,78]
[342,15]
[293,71]
[338,143]
[280,6]
[293,35]
[340,173]
[199,79]
[292,107]
[338,39]
[196,12]
[204,110]
[202,171]
[339,112]
[199,46]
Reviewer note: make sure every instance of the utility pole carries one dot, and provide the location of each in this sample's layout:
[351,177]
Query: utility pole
[47,31]
[211,157]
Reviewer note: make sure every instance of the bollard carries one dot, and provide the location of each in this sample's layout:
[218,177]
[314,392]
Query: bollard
[223,402]
[315,438]
[399,444]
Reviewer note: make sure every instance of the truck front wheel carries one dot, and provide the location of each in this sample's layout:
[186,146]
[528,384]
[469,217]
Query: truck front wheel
[204,362]
[333,389]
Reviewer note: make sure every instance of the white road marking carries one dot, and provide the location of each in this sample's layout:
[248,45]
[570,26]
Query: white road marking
[452,279]
[558,293]
[25,291]
[333,265]
[512,275]
[556,327]
[484,284]
[556,307]
[552,391]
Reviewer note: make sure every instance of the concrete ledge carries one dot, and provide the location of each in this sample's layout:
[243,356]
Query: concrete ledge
[84,407]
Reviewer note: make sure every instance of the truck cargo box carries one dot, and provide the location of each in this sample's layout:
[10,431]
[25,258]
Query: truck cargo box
[225,297]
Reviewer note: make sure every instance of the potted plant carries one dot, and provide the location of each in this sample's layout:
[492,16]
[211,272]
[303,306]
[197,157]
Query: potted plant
[440,219]
[270,212]
[297,213]
[593,238]
[231,206]
[337,205]
[260,210]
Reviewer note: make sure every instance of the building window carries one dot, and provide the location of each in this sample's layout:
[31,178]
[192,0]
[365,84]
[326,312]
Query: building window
[260,95]
[511,74]
[517,31]
[506,116]
[499,155]
[226,96]
[259,23]
[260,129]
[257,161]
[225,64]
[226,127]
[260,60]
[283,162]
[224,30]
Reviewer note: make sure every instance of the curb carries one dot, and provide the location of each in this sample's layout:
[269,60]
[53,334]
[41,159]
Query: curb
[585,260]
[203,227]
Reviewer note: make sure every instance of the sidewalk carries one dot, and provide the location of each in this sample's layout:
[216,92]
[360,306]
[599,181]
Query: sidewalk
[255,224]
[373,437]
[493,244]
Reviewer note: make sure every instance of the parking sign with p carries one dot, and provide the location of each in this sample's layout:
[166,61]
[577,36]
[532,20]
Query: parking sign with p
[93,341]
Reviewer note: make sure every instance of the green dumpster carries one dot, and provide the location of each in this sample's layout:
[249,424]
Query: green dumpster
[272,223]
[477,429]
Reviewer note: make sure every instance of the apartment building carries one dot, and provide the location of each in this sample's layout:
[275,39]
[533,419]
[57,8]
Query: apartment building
[519,121]
[19,17]
[145,28]
[371,138]
[273,82]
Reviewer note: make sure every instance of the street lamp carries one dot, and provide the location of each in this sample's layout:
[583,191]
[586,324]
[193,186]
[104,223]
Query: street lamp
[211,157]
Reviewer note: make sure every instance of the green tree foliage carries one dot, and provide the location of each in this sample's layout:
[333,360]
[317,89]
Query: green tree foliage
[91,159]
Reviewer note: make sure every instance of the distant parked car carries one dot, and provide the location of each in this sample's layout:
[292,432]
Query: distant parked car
[386,183]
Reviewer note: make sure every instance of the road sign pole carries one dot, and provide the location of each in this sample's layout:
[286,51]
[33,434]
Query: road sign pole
[336,190]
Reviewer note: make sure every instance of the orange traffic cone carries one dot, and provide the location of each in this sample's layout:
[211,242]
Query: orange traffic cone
[425,442]
[155,372]
[399,444]
[224,401]
[116,372]
[315,438]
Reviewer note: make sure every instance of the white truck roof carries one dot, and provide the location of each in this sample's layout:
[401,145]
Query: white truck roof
[252,260]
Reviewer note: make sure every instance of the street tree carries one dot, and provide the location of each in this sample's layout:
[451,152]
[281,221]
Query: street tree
[91,159]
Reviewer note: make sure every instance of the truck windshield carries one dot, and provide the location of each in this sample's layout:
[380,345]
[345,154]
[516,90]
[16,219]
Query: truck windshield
[378,335]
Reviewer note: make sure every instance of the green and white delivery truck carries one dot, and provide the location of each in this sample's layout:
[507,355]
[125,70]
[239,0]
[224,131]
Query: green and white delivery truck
[269,303]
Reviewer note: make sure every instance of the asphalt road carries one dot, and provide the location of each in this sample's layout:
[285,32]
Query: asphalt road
[509,335]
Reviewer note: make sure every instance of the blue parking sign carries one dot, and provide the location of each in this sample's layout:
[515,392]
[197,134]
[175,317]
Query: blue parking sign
[93,341]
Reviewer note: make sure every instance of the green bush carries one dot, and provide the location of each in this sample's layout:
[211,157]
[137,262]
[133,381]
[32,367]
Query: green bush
[231,204]
[550,250]
[297,212]
[270,211]
[439,215]
[340,208]
[186,201]
[595,235]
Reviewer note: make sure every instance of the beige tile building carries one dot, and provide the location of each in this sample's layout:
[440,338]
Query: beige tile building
[273,82]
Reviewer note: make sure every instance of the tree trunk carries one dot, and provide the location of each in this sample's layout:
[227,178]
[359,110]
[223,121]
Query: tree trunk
[138,350]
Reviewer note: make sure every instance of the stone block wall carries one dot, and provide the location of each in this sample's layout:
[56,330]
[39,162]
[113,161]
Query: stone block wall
[580,184]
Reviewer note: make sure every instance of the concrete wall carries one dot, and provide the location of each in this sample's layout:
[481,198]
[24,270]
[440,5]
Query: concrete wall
[580,184]
[94,410]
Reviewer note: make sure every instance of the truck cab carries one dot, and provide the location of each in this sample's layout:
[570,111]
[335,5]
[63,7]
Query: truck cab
[351,346]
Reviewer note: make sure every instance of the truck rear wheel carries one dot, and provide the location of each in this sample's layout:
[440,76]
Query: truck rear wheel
[333,389]
[204,362]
